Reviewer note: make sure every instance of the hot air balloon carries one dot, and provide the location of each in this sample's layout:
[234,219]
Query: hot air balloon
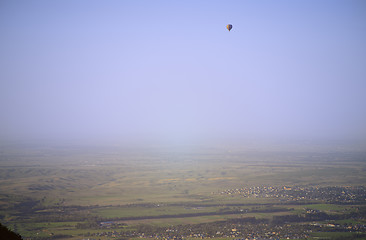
[229,27]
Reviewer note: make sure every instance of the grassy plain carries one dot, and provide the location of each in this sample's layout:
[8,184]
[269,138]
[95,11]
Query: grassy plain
[158,176]
[121,183]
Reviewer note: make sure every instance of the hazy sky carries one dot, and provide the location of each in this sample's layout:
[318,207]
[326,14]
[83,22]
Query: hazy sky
[170,70]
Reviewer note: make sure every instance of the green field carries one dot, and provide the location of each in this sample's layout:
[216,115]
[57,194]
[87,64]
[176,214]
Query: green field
[48,192]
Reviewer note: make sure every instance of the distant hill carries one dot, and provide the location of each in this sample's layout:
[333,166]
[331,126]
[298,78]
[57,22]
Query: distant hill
[6,234]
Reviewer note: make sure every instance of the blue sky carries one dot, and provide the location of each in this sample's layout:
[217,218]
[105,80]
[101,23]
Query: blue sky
[170,70]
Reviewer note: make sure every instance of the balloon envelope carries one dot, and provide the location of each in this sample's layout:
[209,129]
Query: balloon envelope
[229,27]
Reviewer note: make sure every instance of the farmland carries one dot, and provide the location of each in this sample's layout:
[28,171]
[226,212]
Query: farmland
[117,193]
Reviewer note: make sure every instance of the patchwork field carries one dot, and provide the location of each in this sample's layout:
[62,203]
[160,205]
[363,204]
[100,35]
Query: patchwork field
[71,192]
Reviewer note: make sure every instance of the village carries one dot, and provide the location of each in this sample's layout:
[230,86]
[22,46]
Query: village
[249,229]
[338,195]
[292,226]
